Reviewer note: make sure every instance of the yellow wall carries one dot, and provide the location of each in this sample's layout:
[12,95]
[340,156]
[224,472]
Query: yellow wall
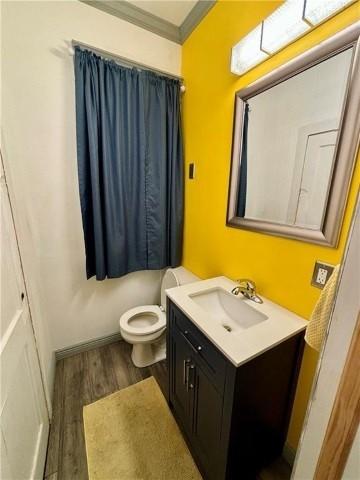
[281,268]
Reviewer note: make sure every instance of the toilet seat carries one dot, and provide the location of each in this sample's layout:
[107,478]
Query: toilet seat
[144,326]
[143,320]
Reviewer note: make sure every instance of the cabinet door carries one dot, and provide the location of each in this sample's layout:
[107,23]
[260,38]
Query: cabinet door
[207,421]
[180,391]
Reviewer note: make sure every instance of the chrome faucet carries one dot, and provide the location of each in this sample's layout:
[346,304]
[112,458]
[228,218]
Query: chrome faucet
[248,289]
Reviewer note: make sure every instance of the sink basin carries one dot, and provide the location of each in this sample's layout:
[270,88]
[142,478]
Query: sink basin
[233,313]
[240,328]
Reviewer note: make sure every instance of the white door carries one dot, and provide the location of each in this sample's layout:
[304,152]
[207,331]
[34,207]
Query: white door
[316,173]
[24,421]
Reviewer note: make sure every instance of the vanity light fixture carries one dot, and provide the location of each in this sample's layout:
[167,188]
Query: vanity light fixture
[290,21]
[246,54]
[316,11]
[283,26]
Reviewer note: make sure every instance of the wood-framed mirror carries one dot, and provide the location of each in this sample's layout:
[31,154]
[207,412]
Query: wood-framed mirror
[295,138]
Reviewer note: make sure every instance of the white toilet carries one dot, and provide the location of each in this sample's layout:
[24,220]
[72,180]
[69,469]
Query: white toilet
[144,326]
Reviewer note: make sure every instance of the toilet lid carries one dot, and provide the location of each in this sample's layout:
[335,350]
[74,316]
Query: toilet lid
[143,320]
[169,280]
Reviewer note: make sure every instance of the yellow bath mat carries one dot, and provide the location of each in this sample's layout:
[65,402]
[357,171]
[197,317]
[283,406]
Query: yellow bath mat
[132,435]
[315,331]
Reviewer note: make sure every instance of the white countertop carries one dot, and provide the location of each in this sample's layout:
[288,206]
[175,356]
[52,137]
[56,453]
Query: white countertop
[240,346]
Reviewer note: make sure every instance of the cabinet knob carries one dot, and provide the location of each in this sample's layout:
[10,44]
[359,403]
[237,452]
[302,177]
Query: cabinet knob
[186,332]
[199,348]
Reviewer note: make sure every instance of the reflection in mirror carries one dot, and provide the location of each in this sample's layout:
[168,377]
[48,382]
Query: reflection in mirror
[289,137]
[295,138]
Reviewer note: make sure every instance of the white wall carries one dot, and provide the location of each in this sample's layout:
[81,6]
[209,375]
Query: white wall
[276,119]
[39,146]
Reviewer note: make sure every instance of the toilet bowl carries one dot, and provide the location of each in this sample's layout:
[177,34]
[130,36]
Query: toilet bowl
[144,327]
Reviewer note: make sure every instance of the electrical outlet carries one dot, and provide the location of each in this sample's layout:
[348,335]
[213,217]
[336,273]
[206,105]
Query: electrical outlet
[321,274]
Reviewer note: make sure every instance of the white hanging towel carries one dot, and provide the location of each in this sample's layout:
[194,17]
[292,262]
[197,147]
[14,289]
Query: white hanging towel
[316,328]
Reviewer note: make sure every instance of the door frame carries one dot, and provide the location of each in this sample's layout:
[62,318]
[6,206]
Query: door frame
[333,411]
[345,417]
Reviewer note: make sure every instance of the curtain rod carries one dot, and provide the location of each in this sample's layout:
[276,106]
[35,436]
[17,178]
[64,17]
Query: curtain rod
[126,62]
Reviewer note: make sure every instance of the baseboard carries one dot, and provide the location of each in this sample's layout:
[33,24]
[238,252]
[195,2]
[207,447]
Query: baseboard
[85,346]
[289,454]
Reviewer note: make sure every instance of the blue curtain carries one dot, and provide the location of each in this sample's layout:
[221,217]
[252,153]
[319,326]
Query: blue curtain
[241,205]
[130,166]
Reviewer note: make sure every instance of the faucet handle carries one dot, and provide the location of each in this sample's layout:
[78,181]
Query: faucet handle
[247,288]
[249,283]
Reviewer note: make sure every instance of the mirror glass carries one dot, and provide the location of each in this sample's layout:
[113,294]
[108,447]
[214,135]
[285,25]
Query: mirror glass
[289,137]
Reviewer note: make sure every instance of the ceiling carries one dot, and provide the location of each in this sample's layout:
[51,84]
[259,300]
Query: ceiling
[173,11]
[171,19]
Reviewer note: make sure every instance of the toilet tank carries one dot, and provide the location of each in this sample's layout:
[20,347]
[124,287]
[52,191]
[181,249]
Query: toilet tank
[174,277]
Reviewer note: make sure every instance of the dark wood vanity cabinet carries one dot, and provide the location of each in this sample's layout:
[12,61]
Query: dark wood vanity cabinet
[234,419]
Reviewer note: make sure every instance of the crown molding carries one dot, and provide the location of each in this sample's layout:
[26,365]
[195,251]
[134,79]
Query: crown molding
[148,21]
[197,13]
